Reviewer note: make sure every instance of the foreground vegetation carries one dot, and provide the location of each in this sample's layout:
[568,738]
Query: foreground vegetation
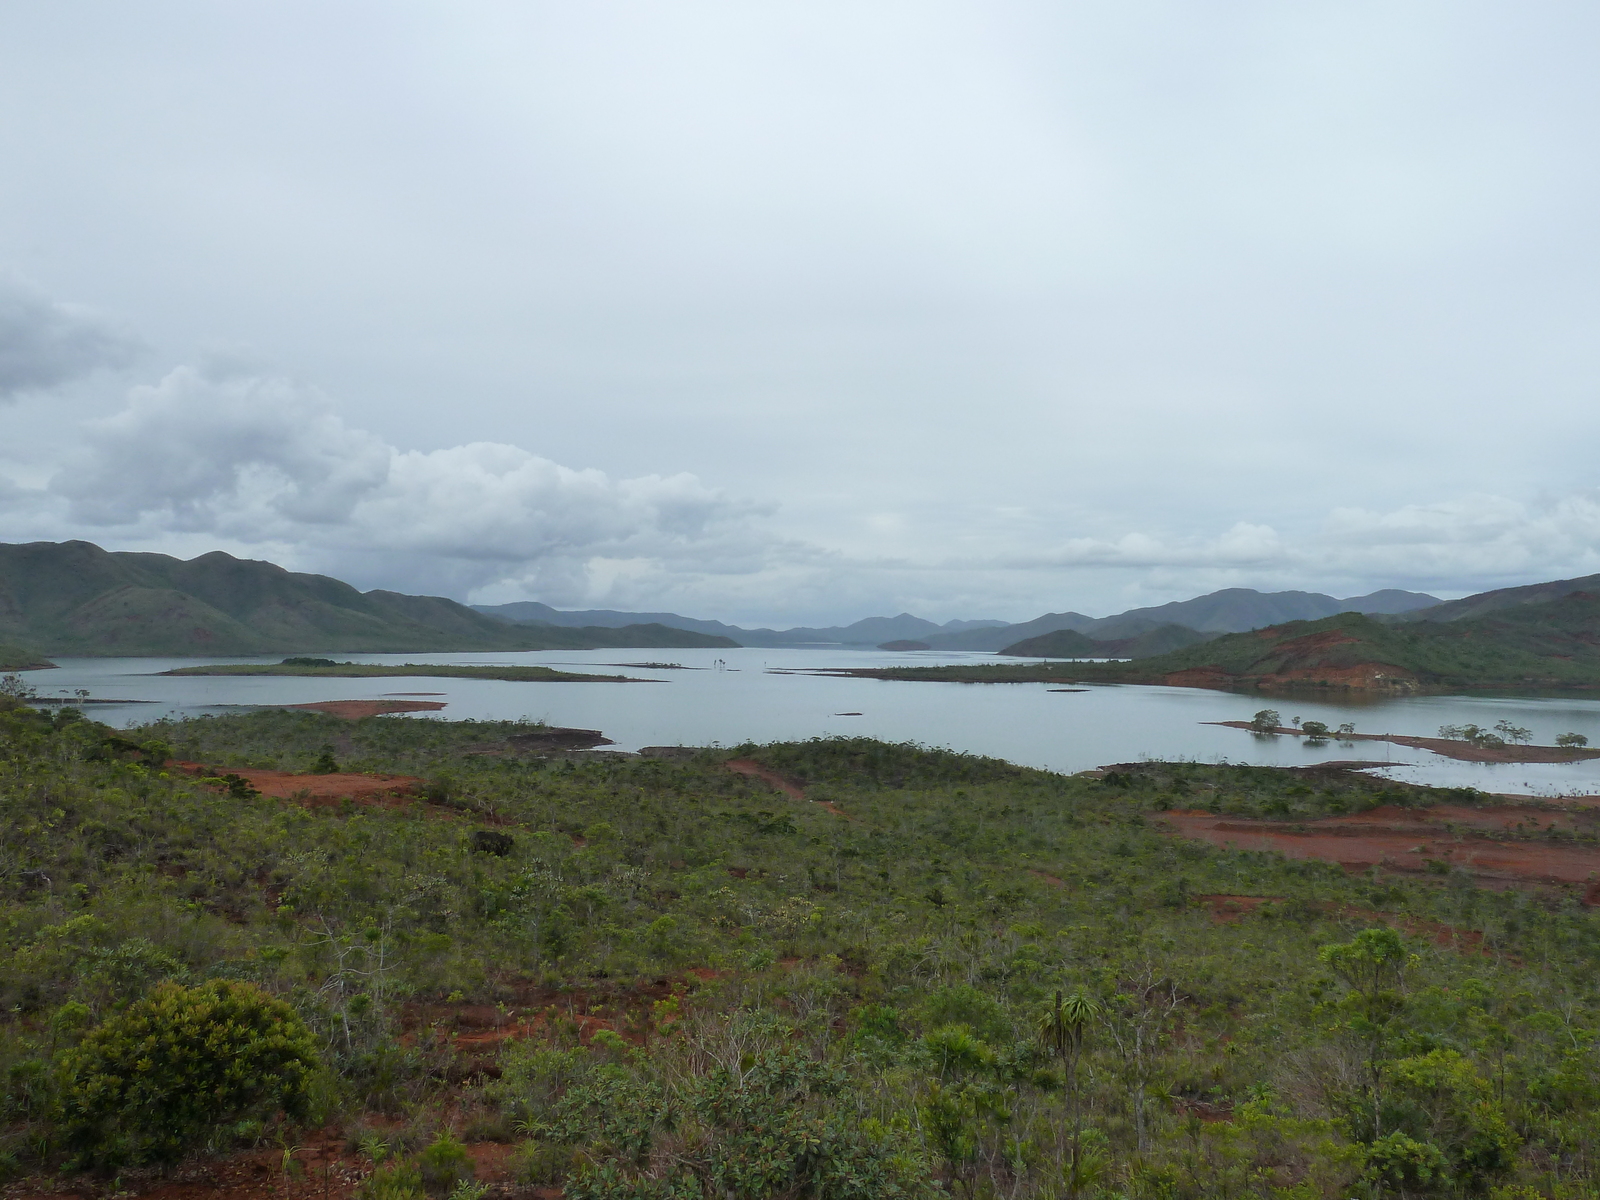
[954,976]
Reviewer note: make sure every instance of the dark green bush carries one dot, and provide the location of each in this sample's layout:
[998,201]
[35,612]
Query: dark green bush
[151,1083]
[444,1164]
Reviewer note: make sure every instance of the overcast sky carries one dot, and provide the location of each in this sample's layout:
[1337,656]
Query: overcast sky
[790,312]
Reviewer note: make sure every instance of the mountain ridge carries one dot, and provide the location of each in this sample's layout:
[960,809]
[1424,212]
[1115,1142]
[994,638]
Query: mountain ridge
[77,598]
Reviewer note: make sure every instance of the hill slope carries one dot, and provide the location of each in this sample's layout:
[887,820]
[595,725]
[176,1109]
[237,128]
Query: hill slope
[1232,610]
[1554,644]
[1069,643]
[1485,603]
[825,987]
[75,598]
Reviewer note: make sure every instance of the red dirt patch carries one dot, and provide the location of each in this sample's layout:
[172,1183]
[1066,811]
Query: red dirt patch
[317,790]
[791,789]
[1231,908]
[354,710]
[1052,880]
[1417,841]
[745,766]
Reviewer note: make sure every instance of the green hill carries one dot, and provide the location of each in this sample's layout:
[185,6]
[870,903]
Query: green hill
[14,658]
[1069,643]
[75,598]
[1550,644]
[1485,603]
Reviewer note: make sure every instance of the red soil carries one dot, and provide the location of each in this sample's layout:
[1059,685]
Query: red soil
[1231,908]
[390,791]
[791,789]
[1497,846]
[745,766]
[354,710]
[1225,909]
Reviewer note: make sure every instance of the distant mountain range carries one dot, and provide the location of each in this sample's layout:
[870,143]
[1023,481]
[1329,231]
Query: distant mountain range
[1233,610]
[870,631]
[1536,637]
[75,598]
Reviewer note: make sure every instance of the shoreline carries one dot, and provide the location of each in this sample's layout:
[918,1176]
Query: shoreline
[1446,747]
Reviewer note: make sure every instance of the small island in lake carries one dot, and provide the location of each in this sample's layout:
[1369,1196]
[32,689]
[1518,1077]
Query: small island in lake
[328,668]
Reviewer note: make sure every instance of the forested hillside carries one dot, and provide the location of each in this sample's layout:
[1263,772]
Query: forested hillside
[931,974]
[75,598]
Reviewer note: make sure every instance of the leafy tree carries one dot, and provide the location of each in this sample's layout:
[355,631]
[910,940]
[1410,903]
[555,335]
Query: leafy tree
[1373,966]
[1266,721]
[1515,734]
[150,1083]
[1573,740]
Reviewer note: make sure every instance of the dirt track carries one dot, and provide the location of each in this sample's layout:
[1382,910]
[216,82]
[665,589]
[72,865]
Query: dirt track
[1506,846]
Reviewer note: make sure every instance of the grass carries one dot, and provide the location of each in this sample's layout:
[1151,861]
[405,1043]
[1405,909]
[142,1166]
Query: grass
[867,980]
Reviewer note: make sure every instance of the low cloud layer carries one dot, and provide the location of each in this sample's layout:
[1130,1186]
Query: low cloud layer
[45,344]
[259,460]
[264,465]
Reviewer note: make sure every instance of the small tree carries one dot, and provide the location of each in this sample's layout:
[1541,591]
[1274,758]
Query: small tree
[1266,721]
[1515,734]
[1373,965]
[1574,741]
[1063,1027]
[150,1083]
[1316,731]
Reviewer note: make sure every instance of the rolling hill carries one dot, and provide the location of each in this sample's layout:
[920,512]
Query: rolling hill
[1232,610]
[1485,603]
[1069,643]
[75,598]
[1549,644]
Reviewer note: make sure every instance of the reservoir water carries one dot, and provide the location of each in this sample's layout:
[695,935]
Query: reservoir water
[725,697]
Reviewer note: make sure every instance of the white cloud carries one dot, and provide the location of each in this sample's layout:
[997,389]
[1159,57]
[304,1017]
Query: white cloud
[265,461]
[44,344]
[263,465]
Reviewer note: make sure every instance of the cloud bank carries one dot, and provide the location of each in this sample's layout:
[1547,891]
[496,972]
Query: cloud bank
[261,464]
[256,460]
[44,343]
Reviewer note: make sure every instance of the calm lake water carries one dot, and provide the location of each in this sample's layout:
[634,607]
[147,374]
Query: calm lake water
[732,696]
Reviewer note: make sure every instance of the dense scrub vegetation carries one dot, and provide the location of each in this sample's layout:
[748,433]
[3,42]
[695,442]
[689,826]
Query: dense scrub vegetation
[954,976]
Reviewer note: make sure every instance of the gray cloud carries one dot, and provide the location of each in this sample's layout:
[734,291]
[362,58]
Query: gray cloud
[264,460]
[996,308]
[266,465]
[44,344]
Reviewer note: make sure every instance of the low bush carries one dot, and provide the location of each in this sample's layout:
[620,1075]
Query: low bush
[152,1082]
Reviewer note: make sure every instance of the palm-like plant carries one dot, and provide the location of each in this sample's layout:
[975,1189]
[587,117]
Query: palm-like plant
[1064,1027]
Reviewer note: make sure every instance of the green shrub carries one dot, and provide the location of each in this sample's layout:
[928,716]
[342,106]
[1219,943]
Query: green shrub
[541,1164]
[394,1181]
[444,1164]
[150,1083]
